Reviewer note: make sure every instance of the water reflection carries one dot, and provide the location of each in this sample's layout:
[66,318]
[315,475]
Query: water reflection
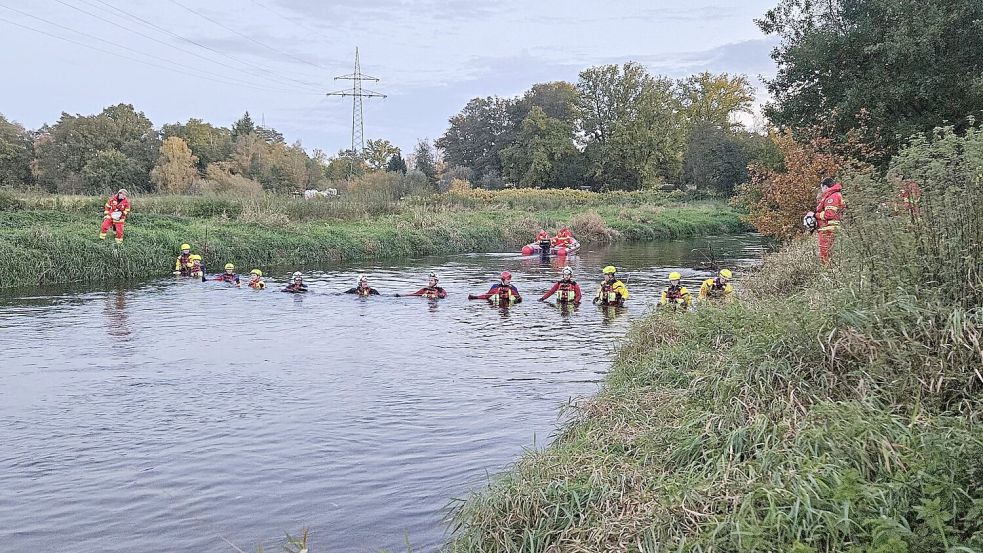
[117,319]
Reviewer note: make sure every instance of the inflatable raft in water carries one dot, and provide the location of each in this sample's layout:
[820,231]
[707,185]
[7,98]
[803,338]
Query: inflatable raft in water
[545,248]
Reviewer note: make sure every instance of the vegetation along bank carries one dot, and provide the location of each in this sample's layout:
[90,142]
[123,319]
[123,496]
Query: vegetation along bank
[53,239]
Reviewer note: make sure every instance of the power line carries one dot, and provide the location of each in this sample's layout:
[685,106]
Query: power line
[261,71]
[247,37]
[111,52]
[357,93]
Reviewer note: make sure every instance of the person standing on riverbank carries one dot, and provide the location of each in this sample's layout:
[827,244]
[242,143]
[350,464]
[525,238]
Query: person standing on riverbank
[828,214]
[502,293]
[611,291]
[114,215]
[430,291]
[566,289]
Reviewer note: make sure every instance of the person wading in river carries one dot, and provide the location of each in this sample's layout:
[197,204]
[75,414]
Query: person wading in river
[363,289]
[430,291]
[502,293]
[256,280]
[566,289]
[718,288]
[229,275]
[182,266]
[676,295]
[611,291]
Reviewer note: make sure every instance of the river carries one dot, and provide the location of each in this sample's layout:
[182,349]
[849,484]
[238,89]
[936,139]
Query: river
[174,415]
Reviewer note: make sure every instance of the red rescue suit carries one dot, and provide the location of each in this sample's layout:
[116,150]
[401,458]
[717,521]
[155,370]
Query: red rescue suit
[566,291]
[115,203]
[500,294]
[563,239]
[829,214]
[431,293]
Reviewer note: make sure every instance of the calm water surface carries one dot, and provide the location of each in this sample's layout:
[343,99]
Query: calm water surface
[182,416]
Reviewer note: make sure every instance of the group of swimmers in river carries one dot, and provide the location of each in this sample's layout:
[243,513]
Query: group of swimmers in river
[610,292]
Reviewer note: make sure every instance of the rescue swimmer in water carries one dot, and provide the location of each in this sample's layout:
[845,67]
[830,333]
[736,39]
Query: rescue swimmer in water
[229,275]
[363,289]
[430,291]
[296,285]
[256,280]
[566,289]
[611,291]
[503,293]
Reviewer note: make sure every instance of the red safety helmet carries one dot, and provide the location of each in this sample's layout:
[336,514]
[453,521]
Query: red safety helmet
[506,275]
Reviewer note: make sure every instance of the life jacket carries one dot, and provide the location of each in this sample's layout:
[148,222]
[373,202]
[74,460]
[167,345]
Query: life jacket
[184,264]
[718,289]
[610,296]
[258,285]
[431,293]
[503,296]
[226,277]
[674,293]
[196,269]
[367,291]
[567,291]
[563,239]
[116,204]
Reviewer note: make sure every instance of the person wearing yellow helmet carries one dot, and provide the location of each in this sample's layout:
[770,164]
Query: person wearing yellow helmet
[196,269]
[256,280]
[182,267]
[676,295]
[718,288]
[611,290]
[229,275]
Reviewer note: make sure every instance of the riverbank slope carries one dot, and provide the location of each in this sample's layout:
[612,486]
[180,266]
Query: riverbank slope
[828,410]
[53,239]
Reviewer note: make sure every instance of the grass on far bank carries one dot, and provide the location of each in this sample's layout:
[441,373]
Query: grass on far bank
[53,239]
[827,411]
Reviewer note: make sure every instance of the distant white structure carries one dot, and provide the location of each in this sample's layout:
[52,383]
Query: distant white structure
[311,194]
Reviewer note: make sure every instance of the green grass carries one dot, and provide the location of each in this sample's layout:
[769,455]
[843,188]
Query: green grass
[828,410]
[53,239]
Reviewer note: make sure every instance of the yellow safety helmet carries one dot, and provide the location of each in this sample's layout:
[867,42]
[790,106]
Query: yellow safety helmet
[609,270]
[675,276]
[229,266]
[726,273]
[256,272]
[185,246]
[195,257]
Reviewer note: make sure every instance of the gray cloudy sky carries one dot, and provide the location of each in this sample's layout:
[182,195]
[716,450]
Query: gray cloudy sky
[214,59]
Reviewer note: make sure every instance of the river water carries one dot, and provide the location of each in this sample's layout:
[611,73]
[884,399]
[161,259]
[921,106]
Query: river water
[195,417]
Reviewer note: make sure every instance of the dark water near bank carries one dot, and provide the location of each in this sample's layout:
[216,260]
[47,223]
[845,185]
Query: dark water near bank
[181,416]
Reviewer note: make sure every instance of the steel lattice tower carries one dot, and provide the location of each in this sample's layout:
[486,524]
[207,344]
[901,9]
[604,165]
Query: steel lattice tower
[357,92]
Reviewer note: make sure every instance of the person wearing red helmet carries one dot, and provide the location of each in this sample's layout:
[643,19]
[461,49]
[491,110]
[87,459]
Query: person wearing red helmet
[501,293]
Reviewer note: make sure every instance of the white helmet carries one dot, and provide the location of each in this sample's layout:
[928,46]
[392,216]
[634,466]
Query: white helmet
[567,271]
[362,278]
[297,275]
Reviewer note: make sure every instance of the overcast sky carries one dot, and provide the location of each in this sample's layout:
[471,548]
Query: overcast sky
[215,59]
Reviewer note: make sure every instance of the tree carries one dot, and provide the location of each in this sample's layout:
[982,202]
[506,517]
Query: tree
[541,148]
[109,170]
[715,159]
[243,126]
[270,135]
[207,142]
[396,164]
[713,99]
[632,124]
[558,99]
[176,167]
[16,152]
[425,160]
[65,149]
[477,135]
[909,64]
[378,153]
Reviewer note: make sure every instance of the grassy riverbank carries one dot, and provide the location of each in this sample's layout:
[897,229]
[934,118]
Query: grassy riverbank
[830,410]
[53,239]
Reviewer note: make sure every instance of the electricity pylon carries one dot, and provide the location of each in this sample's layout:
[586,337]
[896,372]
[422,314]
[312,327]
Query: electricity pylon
[357,92]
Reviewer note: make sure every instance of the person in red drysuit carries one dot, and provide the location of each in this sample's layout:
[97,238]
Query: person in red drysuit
[566,289]
[501,293]
[910,196]
[829,214]
[114,215]
[229,275]
[542,235]
[430,291]
[563,238]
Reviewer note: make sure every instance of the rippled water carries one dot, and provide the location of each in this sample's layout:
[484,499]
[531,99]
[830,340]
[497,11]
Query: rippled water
[182,416]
